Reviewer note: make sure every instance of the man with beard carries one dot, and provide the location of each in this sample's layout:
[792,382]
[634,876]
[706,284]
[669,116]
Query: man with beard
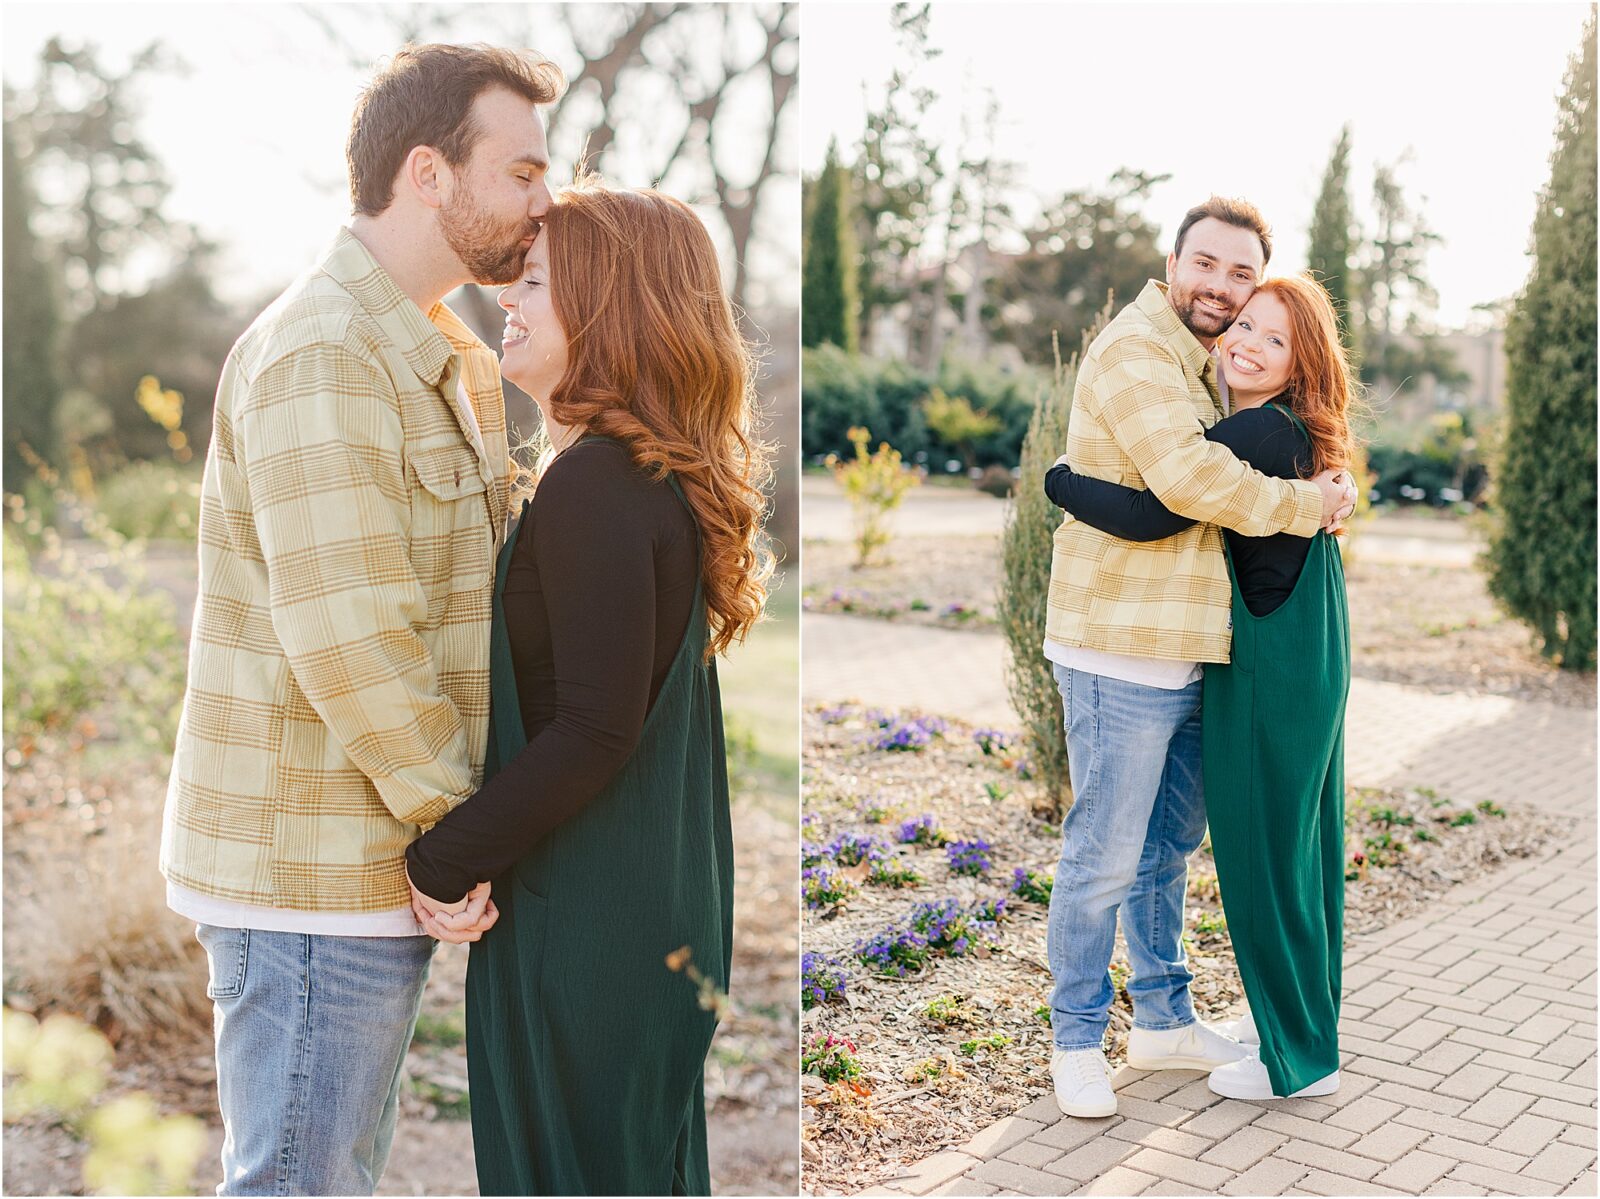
[354,499]
[1127,628]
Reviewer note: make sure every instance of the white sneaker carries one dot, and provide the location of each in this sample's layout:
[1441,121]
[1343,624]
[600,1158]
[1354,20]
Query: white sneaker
[1083,1083]
[1248,1079]
[1242,1030]
[1195,1046]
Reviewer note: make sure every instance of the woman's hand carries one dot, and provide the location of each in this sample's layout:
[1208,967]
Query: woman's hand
[465,920]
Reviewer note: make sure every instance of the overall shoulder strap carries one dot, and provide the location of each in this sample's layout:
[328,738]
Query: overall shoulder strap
[1283,407]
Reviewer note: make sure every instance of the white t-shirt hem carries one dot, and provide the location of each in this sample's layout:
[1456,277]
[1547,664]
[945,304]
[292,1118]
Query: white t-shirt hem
[1165,673]
[225,913]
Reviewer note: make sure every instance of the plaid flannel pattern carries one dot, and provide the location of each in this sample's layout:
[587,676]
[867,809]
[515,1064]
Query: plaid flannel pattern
[338,686]
[1146,393]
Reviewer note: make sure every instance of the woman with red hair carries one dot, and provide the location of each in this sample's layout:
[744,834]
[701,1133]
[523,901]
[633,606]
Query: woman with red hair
[1273,716]
[603,820]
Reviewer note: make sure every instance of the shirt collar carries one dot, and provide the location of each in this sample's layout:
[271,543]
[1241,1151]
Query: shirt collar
[1153,303]
[428,342]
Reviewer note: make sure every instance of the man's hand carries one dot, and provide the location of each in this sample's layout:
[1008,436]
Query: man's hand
[458,923]
[1339,496]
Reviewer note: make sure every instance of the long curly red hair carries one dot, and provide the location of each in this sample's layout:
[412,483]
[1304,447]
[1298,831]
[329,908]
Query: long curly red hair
[655,360]
[1323,387]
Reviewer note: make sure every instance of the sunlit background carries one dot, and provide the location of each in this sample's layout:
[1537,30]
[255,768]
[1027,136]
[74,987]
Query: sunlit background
[184,167]
[1011,164]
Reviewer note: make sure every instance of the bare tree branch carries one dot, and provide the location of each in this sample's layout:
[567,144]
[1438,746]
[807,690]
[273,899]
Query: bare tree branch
[607,69]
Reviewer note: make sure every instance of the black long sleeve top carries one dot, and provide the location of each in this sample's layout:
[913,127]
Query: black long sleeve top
[597,601]
[1266,567]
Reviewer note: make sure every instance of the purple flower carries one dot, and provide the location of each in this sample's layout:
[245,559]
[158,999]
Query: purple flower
[993,740]
[921,831]
[822,887]
[896,951]
[969,857]
[907,734]
[821,979]
[849,849]
[1035,888]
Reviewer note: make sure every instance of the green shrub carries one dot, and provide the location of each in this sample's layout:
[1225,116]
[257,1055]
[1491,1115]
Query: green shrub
[152,501]
[956,423]
[1027,546]
[996,481]
[840,391]
[875,484]
[62,1066]
[1542,554]
[80,641]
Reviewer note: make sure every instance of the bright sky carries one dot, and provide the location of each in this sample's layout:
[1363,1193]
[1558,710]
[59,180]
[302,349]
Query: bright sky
[253,136]
[1242,99]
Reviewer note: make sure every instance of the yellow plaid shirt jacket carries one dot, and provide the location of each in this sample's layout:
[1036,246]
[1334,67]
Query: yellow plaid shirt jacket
[1146,392]
[351,511]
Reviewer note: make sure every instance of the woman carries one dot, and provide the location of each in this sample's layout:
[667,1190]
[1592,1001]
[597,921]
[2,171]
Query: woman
[1273,725]
[603,819]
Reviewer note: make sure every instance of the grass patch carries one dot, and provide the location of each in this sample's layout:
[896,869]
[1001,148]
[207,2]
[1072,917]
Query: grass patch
[447,1102]
[760,682]
[444,1031]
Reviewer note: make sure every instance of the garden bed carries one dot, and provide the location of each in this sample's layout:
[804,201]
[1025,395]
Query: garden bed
[964,1040]
[948,582]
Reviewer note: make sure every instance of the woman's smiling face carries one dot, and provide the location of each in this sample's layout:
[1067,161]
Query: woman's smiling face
[1257,354]
[534,346]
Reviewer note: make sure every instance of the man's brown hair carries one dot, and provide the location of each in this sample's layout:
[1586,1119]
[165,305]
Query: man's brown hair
[424,97]
[1240,213]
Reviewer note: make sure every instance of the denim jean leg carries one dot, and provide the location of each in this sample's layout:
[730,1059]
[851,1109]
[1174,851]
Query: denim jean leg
[1117,736]
[1152,919]
[383,1142]
[310,1043]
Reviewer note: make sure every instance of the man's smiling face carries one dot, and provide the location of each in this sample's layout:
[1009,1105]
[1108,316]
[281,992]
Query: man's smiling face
[1211,274]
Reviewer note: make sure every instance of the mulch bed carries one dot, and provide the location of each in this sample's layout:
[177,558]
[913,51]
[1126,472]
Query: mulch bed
[944,581]
[919,1090]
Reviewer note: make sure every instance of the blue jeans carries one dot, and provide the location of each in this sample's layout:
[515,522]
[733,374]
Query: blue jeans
[312,1032]
[1138,812]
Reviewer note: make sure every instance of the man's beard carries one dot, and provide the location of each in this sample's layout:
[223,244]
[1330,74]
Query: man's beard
[491,251]
[1199,321]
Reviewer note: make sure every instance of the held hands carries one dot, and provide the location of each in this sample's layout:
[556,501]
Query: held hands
[458,923]
[1339,496]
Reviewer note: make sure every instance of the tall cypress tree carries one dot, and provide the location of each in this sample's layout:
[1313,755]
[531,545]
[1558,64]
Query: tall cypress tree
[829,301]
[1542,556]
[1332,236]
[31,380]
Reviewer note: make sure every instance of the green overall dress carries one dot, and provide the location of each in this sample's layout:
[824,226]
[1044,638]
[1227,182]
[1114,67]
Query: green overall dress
[585,1051]
[1273,760]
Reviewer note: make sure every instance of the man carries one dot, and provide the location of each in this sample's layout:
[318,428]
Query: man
[354,498]
[1128,627]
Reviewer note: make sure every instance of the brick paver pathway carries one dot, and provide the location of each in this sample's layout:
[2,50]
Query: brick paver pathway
[1468,1029]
